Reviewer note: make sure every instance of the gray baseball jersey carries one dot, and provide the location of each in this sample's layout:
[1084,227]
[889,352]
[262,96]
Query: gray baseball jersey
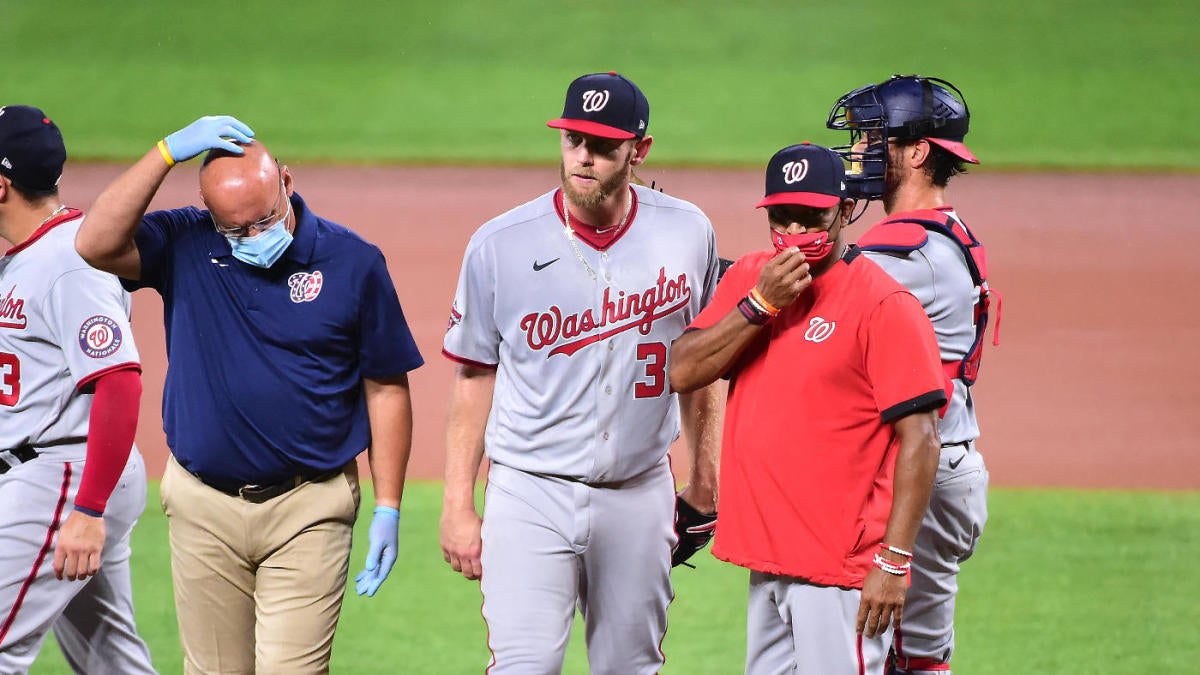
[937,274]
[580,495]
[62,325]
[581,382]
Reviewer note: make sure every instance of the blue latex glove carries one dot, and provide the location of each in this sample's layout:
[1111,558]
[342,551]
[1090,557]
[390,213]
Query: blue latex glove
[208,133]
[384,536]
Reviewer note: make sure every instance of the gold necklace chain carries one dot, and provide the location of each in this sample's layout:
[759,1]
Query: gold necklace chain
[571,233]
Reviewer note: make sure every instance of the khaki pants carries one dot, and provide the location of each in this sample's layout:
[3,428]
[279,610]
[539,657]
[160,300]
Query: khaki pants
[258,587]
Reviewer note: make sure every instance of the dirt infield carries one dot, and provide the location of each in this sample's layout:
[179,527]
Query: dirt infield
[1095,383]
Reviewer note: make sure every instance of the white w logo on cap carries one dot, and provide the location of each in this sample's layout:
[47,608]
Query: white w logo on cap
[794,172]
[594,101]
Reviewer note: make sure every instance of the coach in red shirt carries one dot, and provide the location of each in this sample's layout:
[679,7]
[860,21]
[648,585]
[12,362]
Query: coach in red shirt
[830,443]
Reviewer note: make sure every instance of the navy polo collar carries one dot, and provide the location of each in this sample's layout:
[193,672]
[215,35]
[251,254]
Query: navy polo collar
[304,236]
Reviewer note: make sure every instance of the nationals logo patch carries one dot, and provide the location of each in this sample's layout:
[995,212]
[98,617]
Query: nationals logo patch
[99,337]
[305,286]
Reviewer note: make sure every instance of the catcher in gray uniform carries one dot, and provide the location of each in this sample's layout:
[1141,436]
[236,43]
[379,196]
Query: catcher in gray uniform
[906,143]
[565,311]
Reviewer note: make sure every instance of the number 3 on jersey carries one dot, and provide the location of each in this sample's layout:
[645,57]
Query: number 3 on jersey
[654,357]
[10,379]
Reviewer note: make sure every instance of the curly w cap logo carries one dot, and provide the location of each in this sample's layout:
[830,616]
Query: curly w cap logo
[99,337]
[594,101]
[305,286]
[794,172]
[819,329]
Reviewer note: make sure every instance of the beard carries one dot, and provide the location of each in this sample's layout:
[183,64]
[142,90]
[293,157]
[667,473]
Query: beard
[601,191]
[893,176]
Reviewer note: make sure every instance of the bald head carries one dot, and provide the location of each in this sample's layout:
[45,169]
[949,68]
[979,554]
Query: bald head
[242,189]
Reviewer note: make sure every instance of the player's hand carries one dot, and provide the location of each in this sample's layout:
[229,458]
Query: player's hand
[208,133]
[462,542]
[882,603]
[784,277]
[384,538]
[703,499]
[77,550]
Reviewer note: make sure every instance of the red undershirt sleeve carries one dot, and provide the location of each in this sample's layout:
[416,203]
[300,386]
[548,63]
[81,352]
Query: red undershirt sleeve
[111,429]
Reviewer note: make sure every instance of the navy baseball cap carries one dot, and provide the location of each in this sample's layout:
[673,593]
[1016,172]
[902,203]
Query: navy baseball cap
[32,152]
[805,174]
[606,105]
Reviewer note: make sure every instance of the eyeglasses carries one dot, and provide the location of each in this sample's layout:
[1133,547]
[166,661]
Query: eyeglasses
[242,231]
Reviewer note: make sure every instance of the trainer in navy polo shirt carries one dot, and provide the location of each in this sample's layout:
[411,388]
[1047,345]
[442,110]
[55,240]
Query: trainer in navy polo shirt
[266,365]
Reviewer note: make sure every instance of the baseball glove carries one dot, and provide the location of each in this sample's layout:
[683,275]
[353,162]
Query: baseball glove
[694,530]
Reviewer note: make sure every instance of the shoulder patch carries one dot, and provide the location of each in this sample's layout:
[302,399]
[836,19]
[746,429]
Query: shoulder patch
[894,237]
[99,337]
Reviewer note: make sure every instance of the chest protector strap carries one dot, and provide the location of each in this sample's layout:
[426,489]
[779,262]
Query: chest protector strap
[909,232]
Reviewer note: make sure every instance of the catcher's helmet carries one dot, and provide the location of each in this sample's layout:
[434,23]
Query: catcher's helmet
[905,107]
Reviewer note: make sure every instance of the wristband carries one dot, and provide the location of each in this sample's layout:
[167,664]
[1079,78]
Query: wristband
[165,152]
[757,296]
[753,313]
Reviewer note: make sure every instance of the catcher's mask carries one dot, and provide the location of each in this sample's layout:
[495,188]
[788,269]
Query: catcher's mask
[905,107]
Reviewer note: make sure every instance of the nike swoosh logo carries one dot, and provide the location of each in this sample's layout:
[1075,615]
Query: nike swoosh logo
[539,268]
[955,462]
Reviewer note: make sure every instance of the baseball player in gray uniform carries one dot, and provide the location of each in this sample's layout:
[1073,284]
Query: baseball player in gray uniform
[565,311]
[907,142]
[70,490]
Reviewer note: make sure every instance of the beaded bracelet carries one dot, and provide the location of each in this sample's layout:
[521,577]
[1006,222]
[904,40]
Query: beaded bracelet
[892,568]
[897,551]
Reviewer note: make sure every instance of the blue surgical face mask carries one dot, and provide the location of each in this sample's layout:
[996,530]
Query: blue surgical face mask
[265,248]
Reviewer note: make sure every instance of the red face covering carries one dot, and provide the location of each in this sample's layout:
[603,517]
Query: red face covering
[815,246]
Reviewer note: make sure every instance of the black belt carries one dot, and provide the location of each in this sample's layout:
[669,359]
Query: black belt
[257,494]
[23,453]
[966,445]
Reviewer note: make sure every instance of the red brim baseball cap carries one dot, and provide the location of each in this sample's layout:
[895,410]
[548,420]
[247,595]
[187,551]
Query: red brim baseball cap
[956,148]
[591,128]
[805,174]
[607,105]
[814,199]
[32,152]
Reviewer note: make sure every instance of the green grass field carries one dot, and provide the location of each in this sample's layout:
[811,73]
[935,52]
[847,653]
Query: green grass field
[1055,84]
[1064,582]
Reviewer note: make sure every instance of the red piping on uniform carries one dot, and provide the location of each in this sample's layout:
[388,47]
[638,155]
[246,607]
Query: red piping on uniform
[487,477]
[41,556]
[132,365]
[862,664]
[487,630]
[670,554]
[468,362]
[622,229]
[71,214]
